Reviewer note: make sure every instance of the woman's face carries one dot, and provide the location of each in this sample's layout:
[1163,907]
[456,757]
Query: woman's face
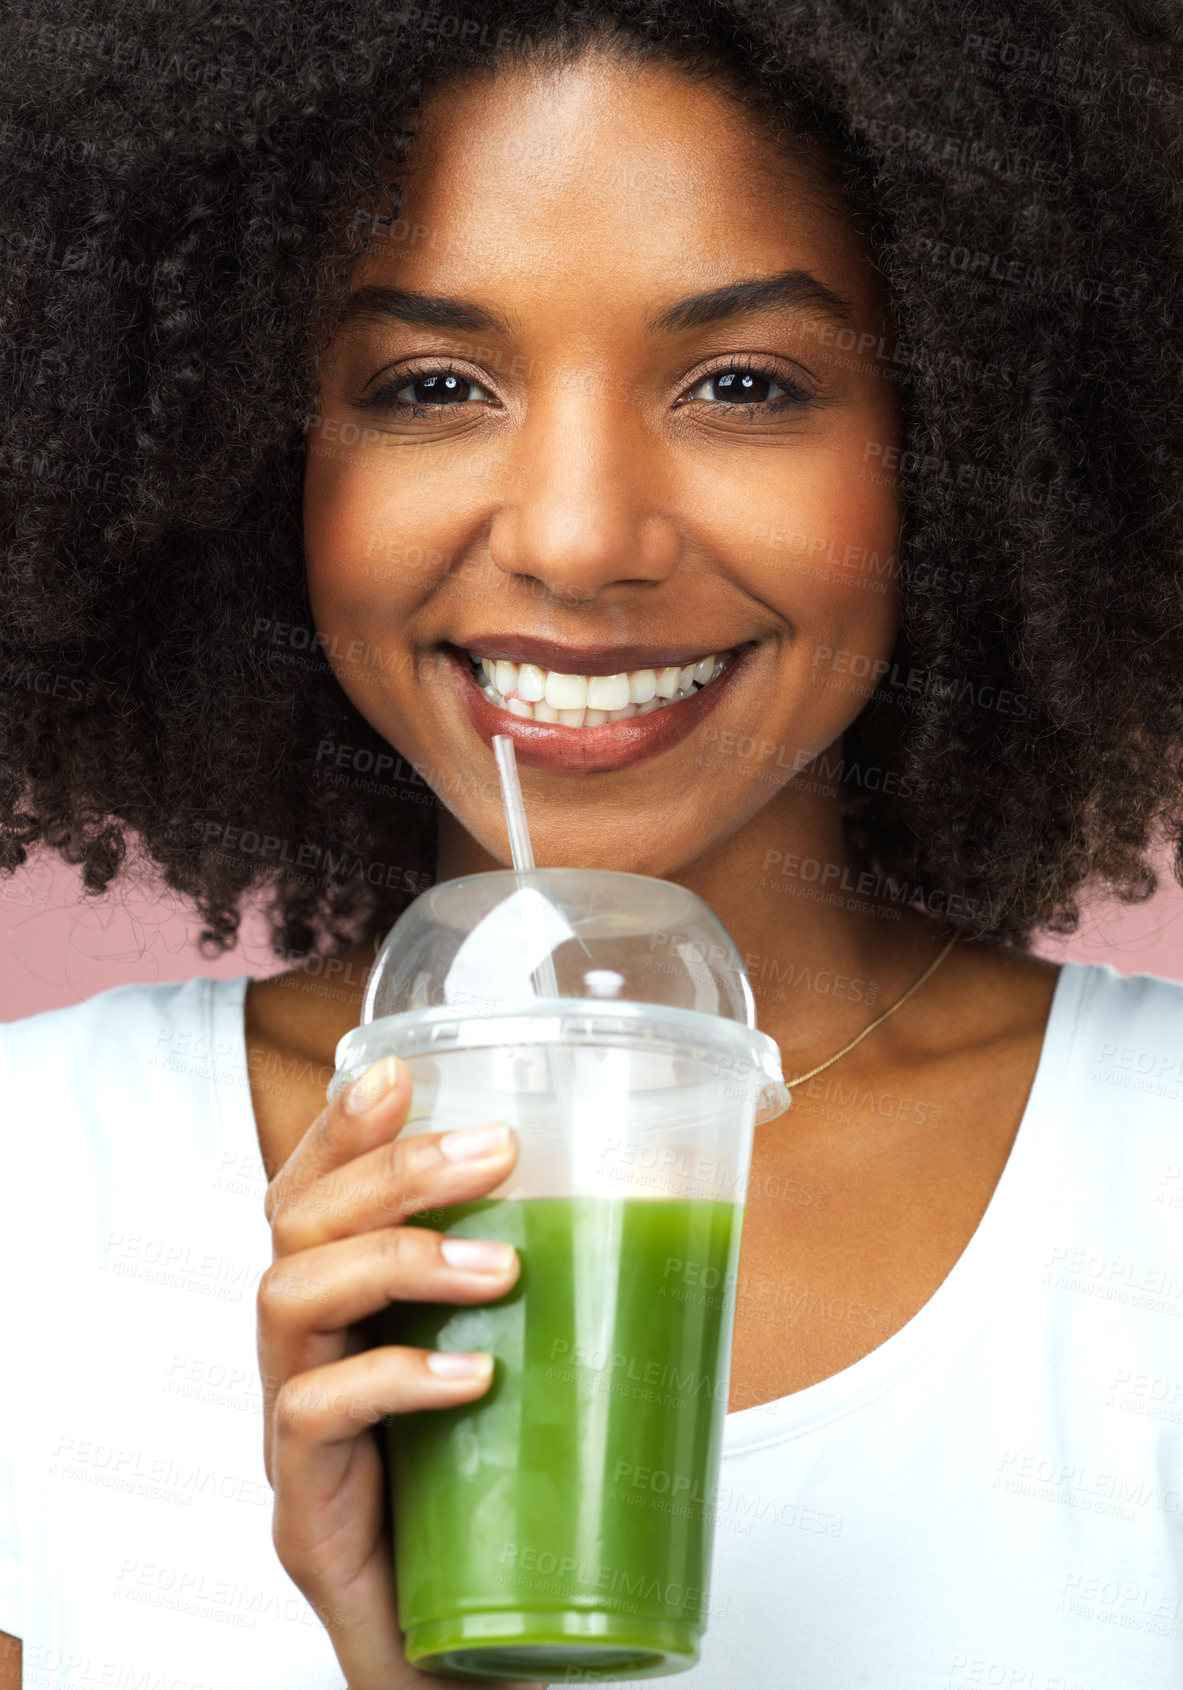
[551,438]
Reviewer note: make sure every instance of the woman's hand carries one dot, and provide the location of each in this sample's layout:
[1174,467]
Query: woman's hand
[341,1253]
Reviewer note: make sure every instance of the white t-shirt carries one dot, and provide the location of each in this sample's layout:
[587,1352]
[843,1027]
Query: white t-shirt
[993,1497]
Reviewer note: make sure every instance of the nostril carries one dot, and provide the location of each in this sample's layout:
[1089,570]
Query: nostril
[572,552]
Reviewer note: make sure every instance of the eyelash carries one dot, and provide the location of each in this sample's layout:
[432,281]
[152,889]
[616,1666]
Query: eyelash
[383,397]
[796,394]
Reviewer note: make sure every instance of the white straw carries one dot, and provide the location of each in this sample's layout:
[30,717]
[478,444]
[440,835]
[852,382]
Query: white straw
[559,1060]
[520,848]
[511,799]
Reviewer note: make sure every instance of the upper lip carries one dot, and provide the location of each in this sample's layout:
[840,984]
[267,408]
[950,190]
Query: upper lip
[599,659]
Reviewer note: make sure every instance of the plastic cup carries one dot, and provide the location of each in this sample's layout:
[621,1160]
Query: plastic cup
[561,1527]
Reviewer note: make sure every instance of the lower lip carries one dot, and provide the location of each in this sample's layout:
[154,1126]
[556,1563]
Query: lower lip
[615,745]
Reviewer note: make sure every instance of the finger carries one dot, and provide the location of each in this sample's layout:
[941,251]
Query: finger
[368,1112]
[401,1177]
[316,1415]
[306,1301]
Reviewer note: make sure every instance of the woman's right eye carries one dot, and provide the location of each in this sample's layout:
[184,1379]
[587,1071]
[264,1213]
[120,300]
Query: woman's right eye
[430,391]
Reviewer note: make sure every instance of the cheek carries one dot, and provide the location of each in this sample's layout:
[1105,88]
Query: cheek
[372,549]
[825,559]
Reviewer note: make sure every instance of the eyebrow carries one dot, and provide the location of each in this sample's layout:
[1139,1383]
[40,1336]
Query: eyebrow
[421,310]
[797,290]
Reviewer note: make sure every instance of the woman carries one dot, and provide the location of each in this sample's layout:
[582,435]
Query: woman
[768,415]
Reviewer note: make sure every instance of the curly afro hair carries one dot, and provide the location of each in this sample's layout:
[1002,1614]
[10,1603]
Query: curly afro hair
[180,211]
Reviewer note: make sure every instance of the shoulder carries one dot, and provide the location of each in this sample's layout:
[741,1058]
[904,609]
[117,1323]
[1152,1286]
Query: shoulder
[116,1116]
[1125,1024]
[1111,1127]
[1132,993]
[1115,1048]
[118,1009]
[68,1076]
[123,1025]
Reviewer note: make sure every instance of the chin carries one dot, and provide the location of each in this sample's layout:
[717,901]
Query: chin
[587,844]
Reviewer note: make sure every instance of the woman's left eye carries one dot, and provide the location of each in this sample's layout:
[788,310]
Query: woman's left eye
[749,385]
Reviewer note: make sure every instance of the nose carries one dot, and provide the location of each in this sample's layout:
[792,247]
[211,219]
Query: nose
[584,511]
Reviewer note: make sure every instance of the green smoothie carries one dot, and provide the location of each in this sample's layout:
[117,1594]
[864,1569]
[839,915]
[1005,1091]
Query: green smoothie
[561,1526]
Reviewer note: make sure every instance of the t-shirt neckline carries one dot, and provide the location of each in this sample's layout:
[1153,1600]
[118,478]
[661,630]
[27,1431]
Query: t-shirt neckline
[951,1305]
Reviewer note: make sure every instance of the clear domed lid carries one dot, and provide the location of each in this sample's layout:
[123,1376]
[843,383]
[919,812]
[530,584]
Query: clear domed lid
[575,957]
[490,943]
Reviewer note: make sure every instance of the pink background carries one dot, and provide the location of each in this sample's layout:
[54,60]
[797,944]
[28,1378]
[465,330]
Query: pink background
[58,946]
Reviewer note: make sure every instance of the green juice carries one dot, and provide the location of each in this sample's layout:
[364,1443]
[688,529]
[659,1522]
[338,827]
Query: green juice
[561,1526]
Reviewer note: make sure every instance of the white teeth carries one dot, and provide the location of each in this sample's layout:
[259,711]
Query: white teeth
[535,694]
[531,682]
[566,692]
[607,692]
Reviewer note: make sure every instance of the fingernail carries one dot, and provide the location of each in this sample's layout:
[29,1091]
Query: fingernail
[459,1364]
[469,1143]
[476,1255]
[377,1080]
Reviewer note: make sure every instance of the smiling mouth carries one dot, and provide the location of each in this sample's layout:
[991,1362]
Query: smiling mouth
[534,694]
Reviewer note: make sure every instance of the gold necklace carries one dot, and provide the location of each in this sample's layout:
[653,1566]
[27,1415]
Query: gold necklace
[879,1019]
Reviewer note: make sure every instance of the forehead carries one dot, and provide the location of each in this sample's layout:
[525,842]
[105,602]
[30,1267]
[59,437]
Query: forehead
[599,169]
